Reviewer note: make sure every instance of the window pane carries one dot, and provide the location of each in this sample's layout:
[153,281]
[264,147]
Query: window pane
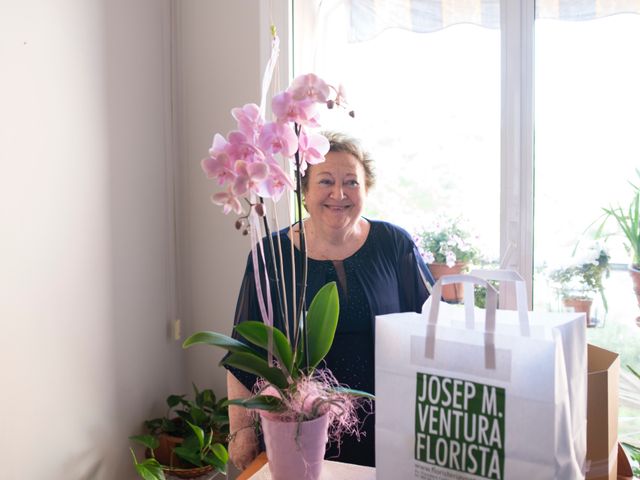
[427,107]
[587,148]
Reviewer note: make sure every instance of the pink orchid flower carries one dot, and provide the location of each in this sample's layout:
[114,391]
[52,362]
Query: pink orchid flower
[311,87]
[287,109]
[249,119]
[312,147]
[228,201]
[239,147]
[249,176]
[341,95]
[278,138]
[218,145]
[219,167]
[276,183]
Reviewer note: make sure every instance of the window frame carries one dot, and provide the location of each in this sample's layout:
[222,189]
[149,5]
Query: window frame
[517,18]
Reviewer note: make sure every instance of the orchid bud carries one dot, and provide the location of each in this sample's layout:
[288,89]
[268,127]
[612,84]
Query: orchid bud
[238,224]
[245,232]
[352,114]
[259,209]
[330,104]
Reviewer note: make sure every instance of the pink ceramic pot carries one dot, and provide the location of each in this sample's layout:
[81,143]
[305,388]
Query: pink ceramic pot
[295,450]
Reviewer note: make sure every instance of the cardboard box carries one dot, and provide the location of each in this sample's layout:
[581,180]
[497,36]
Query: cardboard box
[602,413]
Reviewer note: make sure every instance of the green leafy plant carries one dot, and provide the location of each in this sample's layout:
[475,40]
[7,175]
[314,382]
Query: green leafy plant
[583,277]
[294,366]
[202,425]
[149,468]
[205,411]
[446,241]
[627,221]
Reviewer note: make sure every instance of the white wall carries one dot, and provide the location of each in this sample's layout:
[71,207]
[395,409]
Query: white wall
[99,115]
[87,282]
[218,68]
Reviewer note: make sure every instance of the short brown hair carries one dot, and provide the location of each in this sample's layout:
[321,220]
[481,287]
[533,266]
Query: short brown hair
[339,142]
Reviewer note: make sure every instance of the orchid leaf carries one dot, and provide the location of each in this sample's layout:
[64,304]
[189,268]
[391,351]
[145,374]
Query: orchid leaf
[354,393]
[322,320]
[251,363]
[217,340]
[259,402]
[258,334]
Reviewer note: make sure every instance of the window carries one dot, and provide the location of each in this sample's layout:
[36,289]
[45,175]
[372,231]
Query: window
[586,148]
[450,117]
[435,137]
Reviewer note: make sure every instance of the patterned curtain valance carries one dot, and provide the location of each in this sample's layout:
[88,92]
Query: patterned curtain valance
[368,18]
[584,9]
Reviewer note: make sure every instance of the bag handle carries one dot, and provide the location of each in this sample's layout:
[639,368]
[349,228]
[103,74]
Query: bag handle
[490,315]
[521,293]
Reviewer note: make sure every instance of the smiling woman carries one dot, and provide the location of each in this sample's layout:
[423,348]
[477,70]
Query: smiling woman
[334,198]
[377,269]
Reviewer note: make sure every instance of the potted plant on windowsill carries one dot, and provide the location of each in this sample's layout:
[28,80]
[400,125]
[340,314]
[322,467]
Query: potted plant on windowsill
[189,440]
[446,247]
[578,282]
[299,404]
[627,221]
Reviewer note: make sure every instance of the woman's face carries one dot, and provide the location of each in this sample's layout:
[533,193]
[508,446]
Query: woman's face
[336,191]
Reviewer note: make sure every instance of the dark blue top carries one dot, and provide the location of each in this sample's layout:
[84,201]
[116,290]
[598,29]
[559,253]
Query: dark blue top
[386,275]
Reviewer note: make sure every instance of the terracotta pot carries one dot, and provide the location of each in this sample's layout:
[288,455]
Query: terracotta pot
[164,453]
[453,292]
[635,276]
[624,466]
[580,305]
[295,449]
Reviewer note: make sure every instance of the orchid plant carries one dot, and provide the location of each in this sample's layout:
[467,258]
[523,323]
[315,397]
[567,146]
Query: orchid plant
[247,163]
[446,241]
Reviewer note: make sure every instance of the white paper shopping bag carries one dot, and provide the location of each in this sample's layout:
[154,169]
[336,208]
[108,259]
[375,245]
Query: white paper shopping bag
[463,402]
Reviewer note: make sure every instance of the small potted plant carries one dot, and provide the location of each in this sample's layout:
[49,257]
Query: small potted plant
[579,281]
[189,440]
[446,247]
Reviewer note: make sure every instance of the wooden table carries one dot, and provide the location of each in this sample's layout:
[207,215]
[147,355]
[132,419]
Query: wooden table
[624,469]
[256,465]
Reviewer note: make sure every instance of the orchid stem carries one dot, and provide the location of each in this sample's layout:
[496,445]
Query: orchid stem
[272,251]
[302,315]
